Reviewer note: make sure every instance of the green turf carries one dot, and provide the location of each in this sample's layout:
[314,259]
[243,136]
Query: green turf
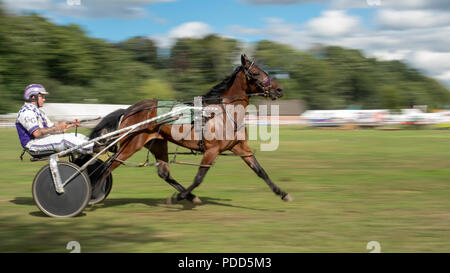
[350,187]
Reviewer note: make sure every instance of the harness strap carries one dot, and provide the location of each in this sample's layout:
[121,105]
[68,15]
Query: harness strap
[133,164]
[230,117]
[191,164]
[120,121]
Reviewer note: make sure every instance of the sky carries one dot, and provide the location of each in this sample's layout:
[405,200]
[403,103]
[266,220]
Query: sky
[414,31]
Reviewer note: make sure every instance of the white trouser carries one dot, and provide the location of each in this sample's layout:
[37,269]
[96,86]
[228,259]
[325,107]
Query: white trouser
[60,142]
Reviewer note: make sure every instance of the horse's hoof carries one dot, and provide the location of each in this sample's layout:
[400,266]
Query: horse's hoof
[196,201]
[172,200]
[288,198]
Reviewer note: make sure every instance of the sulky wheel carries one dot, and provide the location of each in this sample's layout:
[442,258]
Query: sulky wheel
[76,194]
[94,171]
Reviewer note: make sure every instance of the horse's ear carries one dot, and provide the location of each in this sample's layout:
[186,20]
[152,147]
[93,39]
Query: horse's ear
[244,59]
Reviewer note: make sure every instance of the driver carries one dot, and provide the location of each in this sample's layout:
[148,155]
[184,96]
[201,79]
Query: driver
[38,134]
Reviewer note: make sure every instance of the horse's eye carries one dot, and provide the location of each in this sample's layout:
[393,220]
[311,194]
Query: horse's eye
[256,74]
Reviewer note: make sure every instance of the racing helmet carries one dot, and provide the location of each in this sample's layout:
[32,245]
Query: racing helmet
[32,90]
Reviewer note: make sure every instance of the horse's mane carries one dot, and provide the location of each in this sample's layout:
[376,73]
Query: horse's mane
[213,96]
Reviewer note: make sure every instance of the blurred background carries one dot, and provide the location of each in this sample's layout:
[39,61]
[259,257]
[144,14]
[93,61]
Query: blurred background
[76,67]
[344,64]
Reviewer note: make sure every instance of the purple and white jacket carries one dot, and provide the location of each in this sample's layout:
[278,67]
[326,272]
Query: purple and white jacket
[29,119]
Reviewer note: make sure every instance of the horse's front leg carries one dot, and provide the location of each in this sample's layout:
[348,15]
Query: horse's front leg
[208,159]
[245,152]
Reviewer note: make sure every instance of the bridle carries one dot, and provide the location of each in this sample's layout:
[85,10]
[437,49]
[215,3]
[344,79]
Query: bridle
[265,84]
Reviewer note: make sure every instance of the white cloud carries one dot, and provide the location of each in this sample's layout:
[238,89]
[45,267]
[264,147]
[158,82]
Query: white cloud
[190,30]
[397,4]
[348,4]
[444,77]
[424,48]
[17,6]
[431,61]
[436,64]
[417,4]
[387,55]
[186,30]
[405,19]
[333,23]
[125,9]
[281,2]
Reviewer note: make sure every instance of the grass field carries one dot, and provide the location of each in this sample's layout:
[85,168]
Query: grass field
[350,187]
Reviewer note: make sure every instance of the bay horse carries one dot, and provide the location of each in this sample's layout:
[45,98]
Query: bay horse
[247,80]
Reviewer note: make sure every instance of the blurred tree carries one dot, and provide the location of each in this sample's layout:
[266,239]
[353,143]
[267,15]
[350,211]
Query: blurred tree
[198,64]
[276,56]
[356,80]
[316,80]
[75,67]
[282,59]
[72,66]
[156,89]
[69,59]
[389,97]
[8,100]
[143,49]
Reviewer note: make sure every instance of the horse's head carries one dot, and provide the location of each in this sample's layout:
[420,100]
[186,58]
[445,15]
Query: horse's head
[259,81]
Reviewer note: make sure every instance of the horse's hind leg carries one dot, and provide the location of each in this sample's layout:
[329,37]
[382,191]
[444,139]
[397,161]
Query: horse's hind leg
[159,149]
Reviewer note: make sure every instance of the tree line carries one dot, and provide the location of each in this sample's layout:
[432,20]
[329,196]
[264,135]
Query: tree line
[77,68]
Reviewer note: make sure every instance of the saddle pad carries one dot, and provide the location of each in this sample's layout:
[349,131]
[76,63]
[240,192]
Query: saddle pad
[167,106]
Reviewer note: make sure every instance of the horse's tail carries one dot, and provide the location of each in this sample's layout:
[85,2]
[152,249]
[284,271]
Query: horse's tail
[109,123]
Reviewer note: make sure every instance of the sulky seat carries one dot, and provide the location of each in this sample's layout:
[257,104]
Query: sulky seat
[37,155]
